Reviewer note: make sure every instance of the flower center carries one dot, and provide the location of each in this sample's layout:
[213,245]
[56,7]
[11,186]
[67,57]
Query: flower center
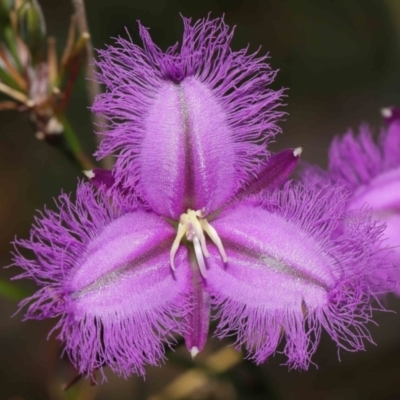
[193,224]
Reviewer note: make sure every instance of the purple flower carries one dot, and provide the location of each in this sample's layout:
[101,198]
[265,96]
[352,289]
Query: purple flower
[192,224]
[371,170]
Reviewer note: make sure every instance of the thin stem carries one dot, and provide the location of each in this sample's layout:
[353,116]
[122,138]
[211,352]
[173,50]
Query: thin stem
[92,85]
[15,94]
[74,146]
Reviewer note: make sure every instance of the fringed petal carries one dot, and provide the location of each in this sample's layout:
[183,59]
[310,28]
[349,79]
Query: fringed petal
[354,160]
[372,171]
[106,274]
[174,114]
[286,277]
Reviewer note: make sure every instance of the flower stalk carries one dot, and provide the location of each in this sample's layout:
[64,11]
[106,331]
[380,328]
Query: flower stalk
[92,84]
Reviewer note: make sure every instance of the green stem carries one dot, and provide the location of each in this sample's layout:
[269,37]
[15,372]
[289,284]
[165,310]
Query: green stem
[74,146]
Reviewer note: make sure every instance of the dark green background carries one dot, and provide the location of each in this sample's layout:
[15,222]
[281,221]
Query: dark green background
[340,61]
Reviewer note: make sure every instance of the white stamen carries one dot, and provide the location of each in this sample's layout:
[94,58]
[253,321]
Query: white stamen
[212,233]
[89,173]
[386,112]
[199,257]
[182,228]
[194,351]
[194,225]
[297,151]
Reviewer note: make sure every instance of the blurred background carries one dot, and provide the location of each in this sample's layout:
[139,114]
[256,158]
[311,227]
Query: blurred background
[341,61]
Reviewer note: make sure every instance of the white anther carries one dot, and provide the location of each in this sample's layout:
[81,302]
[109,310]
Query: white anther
[297,151]
[194,351]
[192,215]
[386,112]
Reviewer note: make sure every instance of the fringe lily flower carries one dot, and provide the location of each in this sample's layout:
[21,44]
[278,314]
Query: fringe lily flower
[371,170]
[191,223]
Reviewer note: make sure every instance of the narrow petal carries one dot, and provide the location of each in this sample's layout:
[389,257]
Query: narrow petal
[174,114]
[198,318]
[100,177]
[106,273]
[391,114]
[273,173]
[285,277]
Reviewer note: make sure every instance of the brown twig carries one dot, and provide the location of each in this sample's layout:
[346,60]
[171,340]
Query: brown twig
[92,85]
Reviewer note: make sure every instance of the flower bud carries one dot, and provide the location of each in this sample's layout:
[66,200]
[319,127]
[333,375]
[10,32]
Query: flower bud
[32,27]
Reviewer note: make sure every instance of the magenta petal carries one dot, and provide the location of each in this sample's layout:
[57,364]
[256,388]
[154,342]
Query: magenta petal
[286,277]
[191,124]
[106,273]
